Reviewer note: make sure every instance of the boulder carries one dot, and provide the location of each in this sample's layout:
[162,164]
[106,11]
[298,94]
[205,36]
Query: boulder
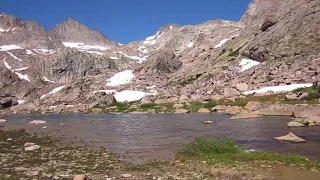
[242,87]
[96,110]
[230,92]
[219,108]
[277,110]
[28,144]
[204,110]
[253,106]
[246,115]
[290,137]
[298,96]
[295,124]
[234,110]
[181,111]
[307,111]
[178,106]
[36,122]
[163,108]
[3,120]
[268,22]
[313,120]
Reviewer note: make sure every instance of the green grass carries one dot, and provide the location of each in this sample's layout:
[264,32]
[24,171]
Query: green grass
[226,151]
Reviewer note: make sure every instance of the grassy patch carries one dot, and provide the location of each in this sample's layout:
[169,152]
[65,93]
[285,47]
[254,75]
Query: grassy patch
[226,151]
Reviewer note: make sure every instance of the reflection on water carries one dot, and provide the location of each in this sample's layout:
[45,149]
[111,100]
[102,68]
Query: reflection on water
[149,136]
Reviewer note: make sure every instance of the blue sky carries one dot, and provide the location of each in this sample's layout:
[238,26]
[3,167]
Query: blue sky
[125,20]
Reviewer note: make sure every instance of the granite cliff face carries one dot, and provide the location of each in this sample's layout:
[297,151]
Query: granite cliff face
[181,63]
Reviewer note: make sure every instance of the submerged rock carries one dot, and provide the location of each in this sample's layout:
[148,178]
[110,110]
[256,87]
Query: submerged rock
[208,122]
[290,137]
[246,115]
[37,122]
[295,124]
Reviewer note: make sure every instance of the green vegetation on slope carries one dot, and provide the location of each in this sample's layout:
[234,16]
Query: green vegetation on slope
[226,151]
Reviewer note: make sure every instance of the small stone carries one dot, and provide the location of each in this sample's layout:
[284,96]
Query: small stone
[32,148]
[208,122]
[250,150]
[96,110]
[37,122]
[44,127]
[181,111]
[9,139]
[79,177]
[126,175]
[61,124]
[28,144]
[3,120]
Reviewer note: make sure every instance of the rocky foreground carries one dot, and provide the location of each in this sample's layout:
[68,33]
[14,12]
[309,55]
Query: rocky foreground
[29,156]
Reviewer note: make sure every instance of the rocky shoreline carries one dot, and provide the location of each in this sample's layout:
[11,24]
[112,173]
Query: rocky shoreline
[25,155]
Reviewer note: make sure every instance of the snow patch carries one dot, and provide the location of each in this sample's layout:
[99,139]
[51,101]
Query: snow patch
[141,59]
[112,57]
[21,101]
[44,51]
[123,77]
[9,47]
[277,89]
[190,44]
[151,42]
[4,30]
[83,46]
[120,44]
[47,80]
[130,96]
[171,27]
[55,90]
[247,64]
[29,52]
[23,76]
[14,57]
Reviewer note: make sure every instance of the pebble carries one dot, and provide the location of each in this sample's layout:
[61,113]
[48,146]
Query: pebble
[126,175]
[79,177]
[44,127]
[32,148]
[28,144]
[37,122]
[9,139]
[208,122]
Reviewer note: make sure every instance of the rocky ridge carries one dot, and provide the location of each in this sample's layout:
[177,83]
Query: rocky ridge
[180,63]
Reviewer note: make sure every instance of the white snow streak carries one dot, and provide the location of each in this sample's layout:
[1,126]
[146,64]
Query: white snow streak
[9,47]
[123,77]
[223,41]
[83,46]
[47,80]
[130,96]
[23,76]
[141,59]
[112,57]
[92,52]
[21,69]
[171,27]
[151,87]
[6,64]
[246,64]
[14,57]
[55,90]
[143,49]
[277,89]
